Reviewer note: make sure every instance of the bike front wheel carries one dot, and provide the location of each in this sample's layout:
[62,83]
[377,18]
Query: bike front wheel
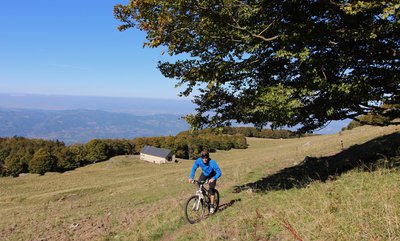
[194,209]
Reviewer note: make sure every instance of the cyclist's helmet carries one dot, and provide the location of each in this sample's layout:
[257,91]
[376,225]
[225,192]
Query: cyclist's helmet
[205,154]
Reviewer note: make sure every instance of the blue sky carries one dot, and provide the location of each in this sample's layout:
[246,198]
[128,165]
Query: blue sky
[74,48]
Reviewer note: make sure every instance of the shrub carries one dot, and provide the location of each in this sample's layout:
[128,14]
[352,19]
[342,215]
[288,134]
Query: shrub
[96,151]
[14,164]
[66,159]
[42,162]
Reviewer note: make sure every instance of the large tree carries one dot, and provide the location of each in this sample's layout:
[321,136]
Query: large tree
[279,62]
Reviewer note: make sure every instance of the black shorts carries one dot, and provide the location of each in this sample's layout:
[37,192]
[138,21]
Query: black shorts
[212,184]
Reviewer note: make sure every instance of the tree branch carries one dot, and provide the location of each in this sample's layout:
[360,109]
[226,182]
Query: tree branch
[259,35]
[253,34]
[269,25]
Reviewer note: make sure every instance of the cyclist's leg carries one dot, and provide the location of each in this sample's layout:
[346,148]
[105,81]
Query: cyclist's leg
[211,190]
[211,187]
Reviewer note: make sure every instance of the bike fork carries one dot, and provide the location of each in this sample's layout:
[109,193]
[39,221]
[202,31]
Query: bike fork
[196,205]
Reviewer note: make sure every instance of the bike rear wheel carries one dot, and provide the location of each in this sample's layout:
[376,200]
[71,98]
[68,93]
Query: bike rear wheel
[194,209]
[216,200]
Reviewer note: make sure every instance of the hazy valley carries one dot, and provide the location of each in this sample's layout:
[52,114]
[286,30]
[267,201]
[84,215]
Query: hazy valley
[75,119]
[80,126]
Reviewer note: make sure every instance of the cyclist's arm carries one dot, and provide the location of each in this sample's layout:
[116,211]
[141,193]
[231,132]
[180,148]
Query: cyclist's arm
[194,168]
[217,170]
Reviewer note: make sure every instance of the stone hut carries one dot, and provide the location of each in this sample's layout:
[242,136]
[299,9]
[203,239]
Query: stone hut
[156,155]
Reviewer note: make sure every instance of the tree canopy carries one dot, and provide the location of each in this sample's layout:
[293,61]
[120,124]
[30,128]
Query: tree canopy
[21,155]
[282,63]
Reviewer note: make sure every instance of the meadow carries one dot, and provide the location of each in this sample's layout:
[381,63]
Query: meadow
[276,189]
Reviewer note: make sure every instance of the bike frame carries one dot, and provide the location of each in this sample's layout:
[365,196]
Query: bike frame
[201,193]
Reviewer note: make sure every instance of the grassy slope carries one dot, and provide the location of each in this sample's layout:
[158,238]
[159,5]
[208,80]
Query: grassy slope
[126,199]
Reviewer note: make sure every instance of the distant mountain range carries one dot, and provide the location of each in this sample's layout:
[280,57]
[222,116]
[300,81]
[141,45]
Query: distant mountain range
[137,106]
[80,119]
[80,126]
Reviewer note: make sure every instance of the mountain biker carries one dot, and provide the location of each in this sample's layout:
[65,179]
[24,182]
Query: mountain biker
[210,171]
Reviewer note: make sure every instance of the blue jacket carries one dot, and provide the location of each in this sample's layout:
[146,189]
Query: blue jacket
[206,168]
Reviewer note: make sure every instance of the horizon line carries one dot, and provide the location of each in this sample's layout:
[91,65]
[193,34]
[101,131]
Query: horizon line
[17,94]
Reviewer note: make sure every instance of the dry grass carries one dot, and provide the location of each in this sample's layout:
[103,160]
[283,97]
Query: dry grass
[126,199]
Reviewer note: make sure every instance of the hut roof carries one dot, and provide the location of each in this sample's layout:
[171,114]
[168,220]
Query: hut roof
[154,151]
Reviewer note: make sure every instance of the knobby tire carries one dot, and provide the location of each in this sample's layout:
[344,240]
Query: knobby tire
[190,213]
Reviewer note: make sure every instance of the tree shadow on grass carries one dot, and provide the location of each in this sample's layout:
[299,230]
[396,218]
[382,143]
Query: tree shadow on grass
[367,156]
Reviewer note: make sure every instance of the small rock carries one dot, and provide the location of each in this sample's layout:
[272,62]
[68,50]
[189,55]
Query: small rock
[74,225]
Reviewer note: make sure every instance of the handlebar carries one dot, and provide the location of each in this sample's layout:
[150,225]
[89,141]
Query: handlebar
[197,182]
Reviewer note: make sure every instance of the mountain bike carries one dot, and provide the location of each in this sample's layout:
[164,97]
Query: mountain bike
[197,206]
